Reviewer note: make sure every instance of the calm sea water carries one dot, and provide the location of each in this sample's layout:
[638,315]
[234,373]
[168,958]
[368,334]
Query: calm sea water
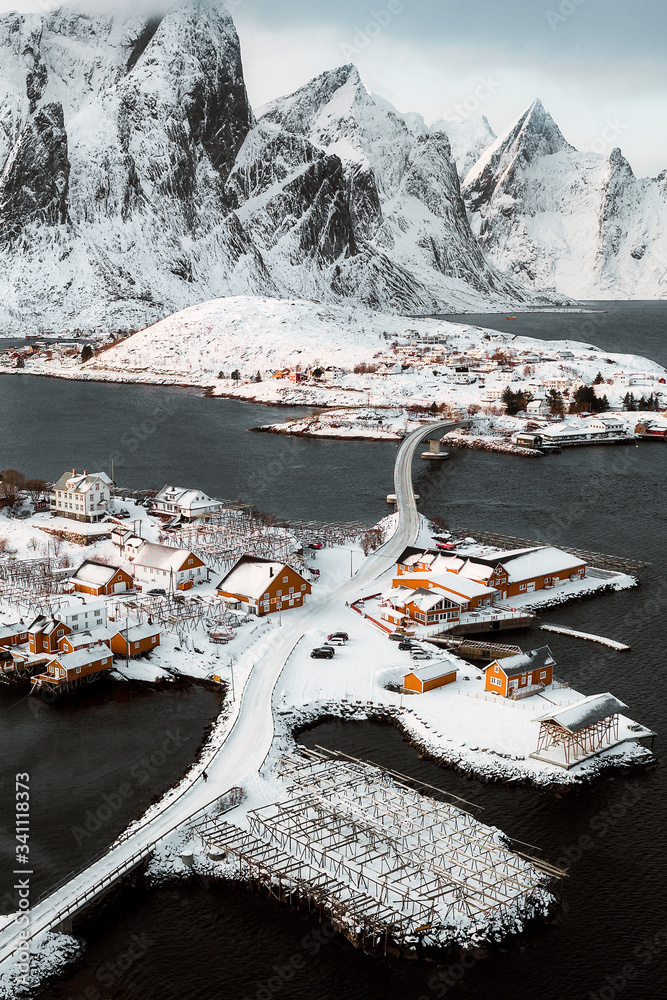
[201,940]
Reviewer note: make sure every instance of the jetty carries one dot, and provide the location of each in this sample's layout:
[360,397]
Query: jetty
[563,630]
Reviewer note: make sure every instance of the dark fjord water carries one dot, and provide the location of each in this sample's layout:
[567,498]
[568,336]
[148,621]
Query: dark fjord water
[204,940]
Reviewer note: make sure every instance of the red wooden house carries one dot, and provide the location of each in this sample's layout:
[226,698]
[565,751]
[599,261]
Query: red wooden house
[100,580]
[44,634]
[521,675]
[13,635]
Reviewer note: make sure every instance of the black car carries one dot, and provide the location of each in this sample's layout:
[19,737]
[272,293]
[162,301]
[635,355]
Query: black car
[156,592]
[397,636]
[323,653]
[406,644]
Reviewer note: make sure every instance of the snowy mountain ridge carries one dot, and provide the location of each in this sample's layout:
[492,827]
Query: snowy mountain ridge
[135,181]
[575,222]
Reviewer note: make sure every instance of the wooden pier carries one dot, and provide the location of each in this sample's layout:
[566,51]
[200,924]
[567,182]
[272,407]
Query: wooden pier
[563,630]
[473,649]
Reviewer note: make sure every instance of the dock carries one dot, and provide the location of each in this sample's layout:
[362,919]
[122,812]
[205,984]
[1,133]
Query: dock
[563,630]
[473,649]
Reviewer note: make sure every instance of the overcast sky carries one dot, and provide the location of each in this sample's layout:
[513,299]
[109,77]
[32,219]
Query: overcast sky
[599,66]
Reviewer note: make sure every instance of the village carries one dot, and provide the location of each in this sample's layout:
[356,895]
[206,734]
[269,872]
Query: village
[116,586]
[179,583]
[523,395]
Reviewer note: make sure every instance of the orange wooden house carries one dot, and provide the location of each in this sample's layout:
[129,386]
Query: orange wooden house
[84,640]
[13,635]
[71,669]
[100,580]
[135,641]
[263,586]
[45,634]
[431,676]
[521,675]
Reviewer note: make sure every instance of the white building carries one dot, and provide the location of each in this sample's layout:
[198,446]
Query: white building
[82,497]
[83,617]
[166,568]
[188,504]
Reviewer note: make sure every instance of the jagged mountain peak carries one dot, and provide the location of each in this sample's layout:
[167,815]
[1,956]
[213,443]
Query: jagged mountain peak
[531,137]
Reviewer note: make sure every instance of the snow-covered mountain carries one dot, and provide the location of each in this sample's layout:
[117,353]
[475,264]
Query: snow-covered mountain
[135,181]
[404,201]
[556,218]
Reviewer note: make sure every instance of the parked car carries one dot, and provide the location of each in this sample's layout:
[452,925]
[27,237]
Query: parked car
[407,644]
[445,545]
[339,635]
[323,653]
[123,512]
[157,592]
[421,654]
[397,636]
[334,640]
[316,545]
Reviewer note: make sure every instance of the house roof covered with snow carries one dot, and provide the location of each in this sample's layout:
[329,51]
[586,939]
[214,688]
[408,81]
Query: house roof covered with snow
[450,582]
[521,663]
[525,564]
[154,556]
[252,576]
[74,483]
[89,637]
[94,573]
[430,671]
[83,657]
[135,633]
[586,712]
[187,499]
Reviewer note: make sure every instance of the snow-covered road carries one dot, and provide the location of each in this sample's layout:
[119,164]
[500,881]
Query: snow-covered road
[251,734]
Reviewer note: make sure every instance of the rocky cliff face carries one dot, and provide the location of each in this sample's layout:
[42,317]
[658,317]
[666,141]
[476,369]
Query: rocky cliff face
[578,223]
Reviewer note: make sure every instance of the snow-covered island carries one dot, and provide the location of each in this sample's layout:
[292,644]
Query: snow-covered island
[374,375]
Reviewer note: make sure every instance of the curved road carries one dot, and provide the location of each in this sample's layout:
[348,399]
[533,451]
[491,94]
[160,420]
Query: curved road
[247,744]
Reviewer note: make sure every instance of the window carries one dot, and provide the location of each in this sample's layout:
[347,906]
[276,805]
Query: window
[279,593]
[74,617]
[496,681]
[266,596]
[284,579]
[291,590]
[522,586]
[61,632]
[78,670]
[190,562]
[543,674]
[303,586]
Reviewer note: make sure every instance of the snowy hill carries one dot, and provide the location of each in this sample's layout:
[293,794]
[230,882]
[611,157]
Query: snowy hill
[579,223]
[253,332]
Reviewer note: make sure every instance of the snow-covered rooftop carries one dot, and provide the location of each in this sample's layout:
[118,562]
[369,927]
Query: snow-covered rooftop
[521,663]
[83,657]
[95,573]
[251,576]
[586,712]
[429,672]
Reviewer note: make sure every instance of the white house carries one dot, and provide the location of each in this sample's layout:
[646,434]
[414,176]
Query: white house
[83,617]
[166,568]
[188,504]
[537,407]
[82,497]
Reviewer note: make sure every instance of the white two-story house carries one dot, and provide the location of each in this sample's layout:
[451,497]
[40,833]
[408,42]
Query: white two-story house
[82,497]
[187,504]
